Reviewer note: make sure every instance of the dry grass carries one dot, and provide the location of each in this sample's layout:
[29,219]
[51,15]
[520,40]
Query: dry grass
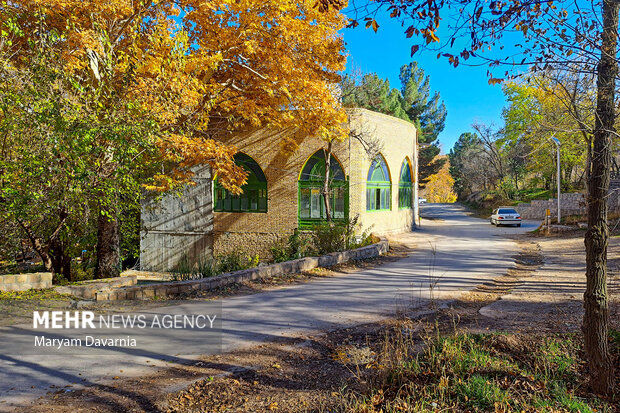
[465,372]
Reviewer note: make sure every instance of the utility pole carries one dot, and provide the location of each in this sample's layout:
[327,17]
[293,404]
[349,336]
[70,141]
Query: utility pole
[558,144]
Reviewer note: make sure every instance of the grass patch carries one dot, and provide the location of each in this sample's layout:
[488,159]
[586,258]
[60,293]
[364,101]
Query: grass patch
[466,372]
[528,195]
[48,294]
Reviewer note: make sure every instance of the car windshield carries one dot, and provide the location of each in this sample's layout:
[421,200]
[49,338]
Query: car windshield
[507,211]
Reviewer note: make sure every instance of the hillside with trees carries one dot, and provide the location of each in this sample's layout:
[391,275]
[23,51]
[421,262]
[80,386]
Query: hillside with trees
[517,162]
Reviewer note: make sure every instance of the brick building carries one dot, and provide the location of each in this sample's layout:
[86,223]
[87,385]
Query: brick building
[284,192]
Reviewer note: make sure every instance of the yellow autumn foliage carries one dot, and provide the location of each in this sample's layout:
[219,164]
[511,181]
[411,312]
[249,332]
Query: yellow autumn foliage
[199,69]
[440,186]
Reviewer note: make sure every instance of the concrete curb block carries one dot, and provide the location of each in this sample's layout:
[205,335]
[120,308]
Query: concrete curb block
[89,290]
[23,282]
[172,288]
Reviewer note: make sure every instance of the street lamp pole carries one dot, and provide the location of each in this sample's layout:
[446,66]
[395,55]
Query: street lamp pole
[557,144]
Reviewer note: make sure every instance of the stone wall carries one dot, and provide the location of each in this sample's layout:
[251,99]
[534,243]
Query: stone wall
[178,226]
[23,282]
[171,289]
[571,204]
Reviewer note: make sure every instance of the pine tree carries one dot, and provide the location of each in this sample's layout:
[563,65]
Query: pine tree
[429,115]
[413,103]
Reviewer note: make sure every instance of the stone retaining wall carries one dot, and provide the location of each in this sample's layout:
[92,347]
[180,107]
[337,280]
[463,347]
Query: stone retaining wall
[89,289]
[571,204]
[170,289]
[23,282]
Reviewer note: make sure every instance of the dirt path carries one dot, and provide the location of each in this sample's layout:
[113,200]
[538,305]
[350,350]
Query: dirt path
[551,298]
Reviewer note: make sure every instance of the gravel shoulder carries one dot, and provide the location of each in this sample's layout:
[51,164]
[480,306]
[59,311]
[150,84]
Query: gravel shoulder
[551,298]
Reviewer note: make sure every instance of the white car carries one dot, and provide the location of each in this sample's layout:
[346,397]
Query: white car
[505,216]
[421,200]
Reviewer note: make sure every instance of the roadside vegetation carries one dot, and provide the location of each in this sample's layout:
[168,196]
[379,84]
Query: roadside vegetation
[324,238]
[477,372]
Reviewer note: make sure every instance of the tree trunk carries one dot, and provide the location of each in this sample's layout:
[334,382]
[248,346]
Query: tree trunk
[60,260]
[40,247]
[108,244]
[596,318]
[326,197]
[588,161]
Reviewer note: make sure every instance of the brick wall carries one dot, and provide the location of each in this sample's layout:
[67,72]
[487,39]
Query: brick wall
[397,139]
[257,232]
[187,225]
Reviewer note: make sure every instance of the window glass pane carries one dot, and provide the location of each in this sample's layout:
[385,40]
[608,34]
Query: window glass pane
[262,200]
[377,198]
[227,202]
[304,203]
[404,197]
[314,169]
[244,199]
[217,202]
[315,203]
[339,203]
[236,203]
[254,196]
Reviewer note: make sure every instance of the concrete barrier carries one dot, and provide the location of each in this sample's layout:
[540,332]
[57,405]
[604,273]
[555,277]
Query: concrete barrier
[23,282]
[89,289]
[171,289]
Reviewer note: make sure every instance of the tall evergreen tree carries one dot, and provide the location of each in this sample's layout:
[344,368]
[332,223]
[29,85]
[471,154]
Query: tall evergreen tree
[428,112]
[413,102]
[373,93]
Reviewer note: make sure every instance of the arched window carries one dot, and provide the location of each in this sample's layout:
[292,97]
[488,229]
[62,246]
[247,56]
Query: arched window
[310,194]
[405,185]
[254,196]
[378,186]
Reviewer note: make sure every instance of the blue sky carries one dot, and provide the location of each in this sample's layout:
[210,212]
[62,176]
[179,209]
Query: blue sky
[465,90]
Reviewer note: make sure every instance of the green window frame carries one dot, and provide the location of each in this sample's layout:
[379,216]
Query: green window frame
[378,186]
[254,195]
[310,203]
[405,186]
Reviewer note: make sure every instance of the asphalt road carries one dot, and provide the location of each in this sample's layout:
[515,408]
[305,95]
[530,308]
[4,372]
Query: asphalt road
[453,253]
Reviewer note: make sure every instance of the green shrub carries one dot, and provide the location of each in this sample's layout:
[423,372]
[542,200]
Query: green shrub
[206,267]
[339,236]
[80,273]
[329,237]
[184,270]
[298,245]
[279,251]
